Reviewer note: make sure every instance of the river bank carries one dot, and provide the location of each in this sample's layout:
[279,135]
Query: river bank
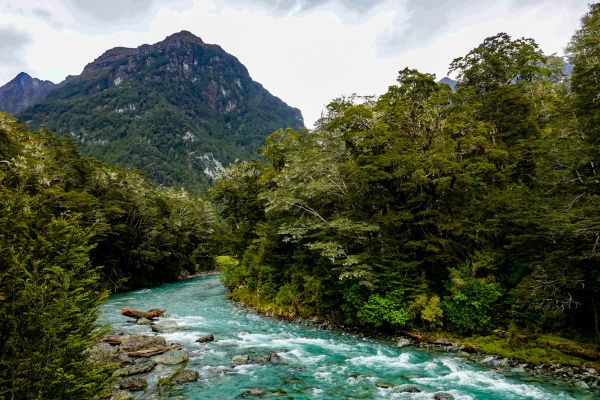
[543,356]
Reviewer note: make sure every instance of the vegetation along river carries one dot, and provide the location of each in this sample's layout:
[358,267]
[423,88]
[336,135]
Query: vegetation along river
[314,363]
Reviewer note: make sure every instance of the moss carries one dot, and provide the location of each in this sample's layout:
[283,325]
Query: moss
[543,349]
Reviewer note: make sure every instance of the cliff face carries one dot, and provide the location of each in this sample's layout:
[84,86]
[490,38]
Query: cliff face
[22,92]
[177,109]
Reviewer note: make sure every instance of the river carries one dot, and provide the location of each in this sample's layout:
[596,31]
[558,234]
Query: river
[315,363]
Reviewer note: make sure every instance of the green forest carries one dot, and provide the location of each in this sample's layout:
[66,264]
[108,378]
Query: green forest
[426,208]
[423,209]
[71,231]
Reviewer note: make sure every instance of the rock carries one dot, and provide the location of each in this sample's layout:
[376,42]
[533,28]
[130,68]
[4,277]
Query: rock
[121,395]
[240,359]
[132,383]
[488,360]
[443,396]
[582,384]
[143,321]
[253,392]
[164,326]
[172,357]
[137,367]
[411,389]
[402,341]
[185,376]
[383,385]
[278,392]
[205,339]
[102,352]
[142,342]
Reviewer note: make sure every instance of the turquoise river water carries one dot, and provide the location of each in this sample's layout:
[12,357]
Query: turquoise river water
[315,363]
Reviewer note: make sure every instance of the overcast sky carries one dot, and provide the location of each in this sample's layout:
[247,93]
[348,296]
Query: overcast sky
[306,52]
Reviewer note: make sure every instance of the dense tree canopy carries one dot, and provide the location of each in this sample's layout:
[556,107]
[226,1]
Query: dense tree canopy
[70,230]
[427,207]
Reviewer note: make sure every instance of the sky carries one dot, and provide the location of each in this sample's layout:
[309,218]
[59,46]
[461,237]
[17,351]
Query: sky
[306,52]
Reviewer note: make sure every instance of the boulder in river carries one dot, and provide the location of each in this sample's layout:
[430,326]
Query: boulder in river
[132,383]
[253,392]
[172,357]
[143,321]
[443,396]
[142,342]
[240,359]
[271,358]
[205,339]
[137,367]
[411,389]
[185,376]
[164,326]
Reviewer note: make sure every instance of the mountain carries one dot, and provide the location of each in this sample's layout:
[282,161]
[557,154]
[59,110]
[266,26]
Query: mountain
[178,110]
[22,92]
[449,81]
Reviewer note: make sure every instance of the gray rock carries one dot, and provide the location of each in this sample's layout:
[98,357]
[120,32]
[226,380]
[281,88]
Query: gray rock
[488,360]
[172,357]
[401,342]
[164,326]
[443,396]
[384,385]
[205,339]
[240,359]
[185,376]
[137,367]
[143,321]
[102,352]
[253,392]
[132,383]
[411,389]
[582,384]
[142,342]
[121,395]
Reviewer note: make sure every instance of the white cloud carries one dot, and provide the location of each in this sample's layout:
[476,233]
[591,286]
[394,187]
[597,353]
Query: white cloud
[304,51]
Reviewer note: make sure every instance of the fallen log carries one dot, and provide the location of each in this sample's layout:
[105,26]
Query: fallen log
[153,313]
[154,351]
[414,335]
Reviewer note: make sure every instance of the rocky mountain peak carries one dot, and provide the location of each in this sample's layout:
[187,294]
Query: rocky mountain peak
[23,91]
[181,38]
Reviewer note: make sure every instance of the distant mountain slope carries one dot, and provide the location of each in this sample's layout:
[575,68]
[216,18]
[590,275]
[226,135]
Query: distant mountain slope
[177,110]
[449,81]
[22,92]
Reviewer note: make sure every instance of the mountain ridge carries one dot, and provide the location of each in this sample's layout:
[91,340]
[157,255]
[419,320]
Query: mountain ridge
[173,109]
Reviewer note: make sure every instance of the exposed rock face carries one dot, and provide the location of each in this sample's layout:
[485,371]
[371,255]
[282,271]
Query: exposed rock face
[23,91]
[178,109]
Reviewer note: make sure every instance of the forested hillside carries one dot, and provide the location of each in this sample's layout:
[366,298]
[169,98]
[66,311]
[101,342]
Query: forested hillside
[426,208]
[71,229]
[178,110]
